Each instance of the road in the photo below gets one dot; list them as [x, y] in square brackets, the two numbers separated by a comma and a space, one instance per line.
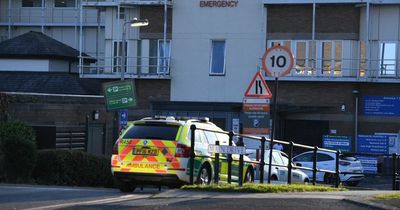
[48, 197]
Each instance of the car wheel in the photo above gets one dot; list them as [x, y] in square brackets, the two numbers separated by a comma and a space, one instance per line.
[329, 178]
[204, 176]
[126, 187]
[274, 178]
[249, 176]
[306, 181]
[353, 183]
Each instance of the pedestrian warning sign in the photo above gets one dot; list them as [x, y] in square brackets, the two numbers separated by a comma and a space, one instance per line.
[258, 88]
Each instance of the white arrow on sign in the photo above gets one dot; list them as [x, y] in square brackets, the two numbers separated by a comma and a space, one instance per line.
[277, 61]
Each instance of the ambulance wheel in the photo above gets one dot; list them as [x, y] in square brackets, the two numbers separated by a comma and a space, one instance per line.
[204, 176]
[127, 187]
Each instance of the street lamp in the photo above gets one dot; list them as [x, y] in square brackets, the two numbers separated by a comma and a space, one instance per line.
[133, 23]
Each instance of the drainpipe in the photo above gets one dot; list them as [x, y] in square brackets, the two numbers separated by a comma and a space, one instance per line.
[355, 93]
[368, 54]
[314, 47]
[9, 19]
[43, 7]
[165, 38]
[80, 41]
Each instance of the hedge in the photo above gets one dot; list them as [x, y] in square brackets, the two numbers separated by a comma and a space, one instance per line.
[10, 131]
[19, 159]
[73, 168]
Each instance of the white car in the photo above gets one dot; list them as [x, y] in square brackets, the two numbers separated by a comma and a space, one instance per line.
[280, 173]
[350, 167]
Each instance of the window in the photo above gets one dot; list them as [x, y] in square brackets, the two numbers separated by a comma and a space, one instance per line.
[337, 67]
[31, 3]
[217, 66]
[308, 157]
[387, 59]
[117, 52]
[163, 60]
[152, 131]
[331, 58]
[277, 159]
[121, 14]
[211, 137]
[326, 58]
[324, 157]
[64, 3]
[362, 59]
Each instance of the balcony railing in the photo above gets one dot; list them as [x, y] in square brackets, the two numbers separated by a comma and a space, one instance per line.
[125, 2]
[135, 67]
[345, 69]
[48, 16]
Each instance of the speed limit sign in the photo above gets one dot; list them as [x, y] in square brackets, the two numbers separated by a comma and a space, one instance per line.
[277, 61]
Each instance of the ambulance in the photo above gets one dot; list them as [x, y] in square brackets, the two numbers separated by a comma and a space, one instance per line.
[156, 151]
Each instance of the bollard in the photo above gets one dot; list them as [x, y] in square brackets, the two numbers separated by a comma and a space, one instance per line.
[230, 158]
[240, 144]
[271, 146]
[191, 160]
[216, 165]
[315, 165]
[337, 172]
[290, 167]
[394, 172]
[262, 163]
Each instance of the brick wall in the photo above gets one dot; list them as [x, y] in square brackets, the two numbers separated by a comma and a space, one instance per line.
[155, 29]
[295, 21]
[71, 111]
[321, 101]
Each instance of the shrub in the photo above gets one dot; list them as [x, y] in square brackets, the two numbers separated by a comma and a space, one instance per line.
[76, 168]
[19, 158]
[11, 130]
[20, 129]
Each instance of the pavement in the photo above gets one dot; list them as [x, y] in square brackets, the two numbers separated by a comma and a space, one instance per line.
[359, 197]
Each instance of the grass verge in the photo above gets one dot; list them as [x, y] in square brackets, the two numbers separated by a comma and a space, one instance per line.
[388, 196]
[261, 188]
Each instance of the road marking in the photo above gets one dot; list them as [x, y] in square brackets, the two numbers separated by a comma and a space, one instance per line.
[93, 202]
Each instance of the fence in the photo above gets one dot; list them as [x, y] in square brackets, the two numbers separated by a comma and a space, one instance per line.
[291, 145]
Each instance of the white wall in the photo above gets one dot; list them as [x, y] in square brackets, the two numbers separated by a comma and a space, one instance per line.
[193, 29]
[24, 65]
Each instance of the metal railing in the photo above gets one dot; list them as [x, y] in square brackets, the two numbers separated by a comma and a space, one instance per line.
[135, 66]
[291, 145]
[49, 16]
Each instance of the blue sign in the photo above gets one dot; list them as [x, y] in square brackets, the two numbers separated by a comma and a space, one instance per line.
[381, 105]
[341, 143]
[369, 164]
[123, 117]
[377, 144]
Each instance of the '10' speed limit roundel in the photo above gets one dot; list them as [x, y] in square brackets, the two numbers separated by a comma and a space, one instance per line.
[277, 61]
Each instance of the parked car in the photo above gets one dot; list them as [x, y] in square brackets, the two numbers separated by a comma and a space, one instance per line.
[280, 173]
[156, 150]
[350, 167]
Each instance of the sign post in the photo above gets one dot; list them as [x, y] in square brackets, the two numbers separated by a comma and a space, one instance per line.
[277, 62]
[256, 107]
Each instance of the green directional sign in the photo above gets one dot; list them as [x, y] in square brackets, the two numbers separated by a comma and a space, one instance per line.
[119, 95]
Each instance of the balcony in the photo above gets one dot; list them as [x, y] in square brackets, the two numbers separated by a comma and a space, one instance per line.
[344, 70]
[48, 17]
[106, 3]
[136, 67]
